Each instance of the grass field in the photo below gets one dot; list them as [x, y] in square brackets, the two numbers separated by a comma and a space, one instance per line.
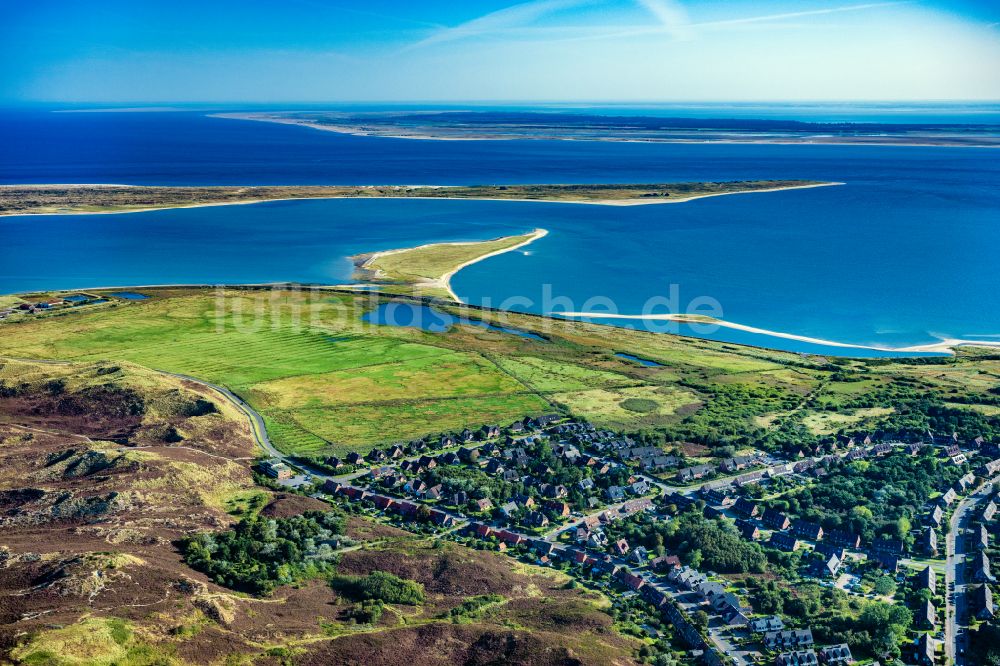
[327, 383]
[610, 407]
[430, 262]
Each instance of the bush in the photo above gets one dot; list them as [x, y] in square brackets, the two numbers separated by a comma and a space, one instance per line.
[381, 586]
[261, 553]
[366, 612]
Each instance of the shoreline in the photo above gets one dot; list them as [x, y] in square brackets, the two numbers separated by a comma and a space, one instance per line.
[652, 201]
[945, 346]
[444, 281]
[816, 140]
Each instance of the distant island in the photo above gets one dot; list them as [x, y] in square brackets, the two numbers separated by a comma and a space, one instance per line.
[83, 199]
[496, 125]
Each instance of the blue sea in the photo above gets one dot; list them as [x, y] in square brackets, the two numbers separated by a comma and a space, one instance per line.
[902, 254]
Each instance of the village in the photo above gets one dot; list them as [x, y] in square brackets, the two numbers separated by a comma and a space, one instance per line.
[561, 493]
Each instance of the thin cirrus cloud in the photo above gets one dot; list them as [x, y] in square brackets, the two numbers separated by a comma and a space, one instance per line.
[670, 15]
[671, 20]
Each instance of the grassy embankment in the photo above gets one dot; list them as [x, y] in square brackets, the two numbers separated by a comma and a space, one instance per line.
[62, 199]
[328, 384]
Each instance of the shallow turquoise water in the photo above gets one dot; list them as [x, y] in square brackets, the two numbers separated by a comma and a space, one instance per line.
[904, 253]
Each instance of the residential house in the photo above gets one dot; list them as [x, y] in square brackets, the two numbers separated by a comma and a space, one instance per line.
[764, 625]
[355, 458]
[640, 487]
[745, 508]
[509, 509]
[928, 542]
[828, 567]
[666, 563]
[788, 639]
[276, 469]
[934, 516]
[737, 463]
[807, 530]
[925, 649]
[927, 580]
[614, 493]
[783, 541]
[776, 520]
[982, 571]
[621, 547]
[560, 509]
[827, 549]
[748, 529]
[797, 658]
[597, 540]
[630, 580]
[485, 504]
[836, 655]
[639, 555]
[982, 603]
[887, 547]
[536, 519]
[928, 616]
[694, 473]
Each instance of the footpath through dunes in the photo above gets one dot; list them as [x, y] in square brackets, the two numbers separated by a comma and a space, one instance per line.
[83, 199]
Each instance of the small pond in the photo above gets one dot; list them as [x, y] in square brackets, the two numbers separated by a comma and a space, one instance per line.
[426, 318]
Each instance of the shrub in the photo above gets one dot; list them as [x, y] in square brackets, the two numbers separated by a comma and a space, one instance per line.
[381, 586]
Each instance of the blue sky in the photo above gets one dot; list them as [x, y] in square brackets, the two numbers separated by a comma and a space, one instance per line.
[543, 50]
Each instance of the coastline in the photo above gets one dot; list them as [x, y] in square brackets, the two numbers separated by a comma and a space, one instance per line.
[945, 346]
[652, 201]
[812, 140]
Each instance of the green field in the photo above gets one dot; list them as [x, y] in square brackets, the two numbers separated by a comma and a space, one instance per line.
[327, 383]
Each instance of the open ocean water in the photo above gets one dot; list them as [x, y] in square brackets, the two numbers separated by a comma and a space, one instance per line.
[904, 253]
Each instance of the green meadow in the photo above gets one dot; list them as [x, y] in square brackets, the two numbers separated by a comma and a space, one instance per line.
[327, 383]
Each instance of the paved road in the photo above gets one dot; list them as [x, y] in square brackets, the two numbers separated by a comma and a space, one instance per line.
[256, 420]
[955, 631]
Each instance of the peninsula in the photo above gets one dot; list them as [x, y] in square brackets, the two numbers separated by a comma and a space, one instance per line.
[455, 125]
[427, 270]
[84, 199]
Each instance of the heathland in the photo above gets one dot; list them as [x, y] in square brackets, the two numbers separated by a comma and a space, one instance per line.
[107, 467]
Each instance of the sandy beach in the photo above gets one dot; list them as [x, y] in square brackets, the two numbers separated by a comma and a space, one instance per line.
[946, 346]
[923, 140]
